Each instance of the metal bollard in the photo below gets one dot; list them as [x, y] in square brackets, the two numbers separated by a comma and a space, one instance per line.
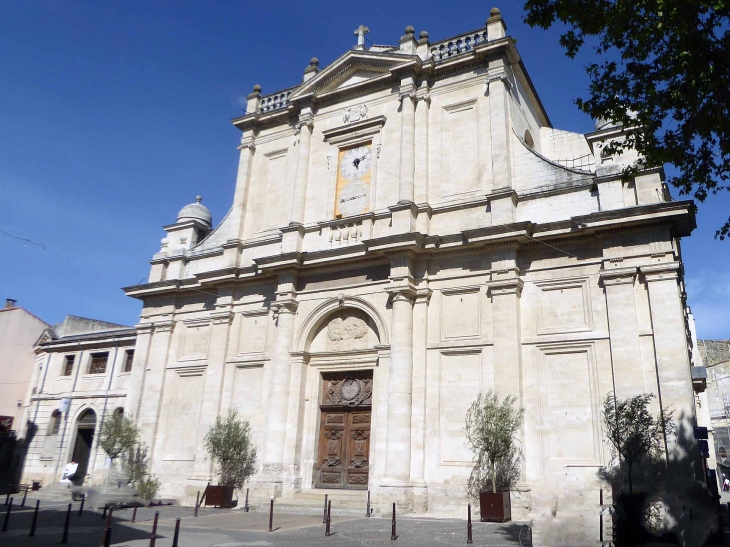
[64, 539]
[367, 510]
[107, 537]
[109, 518]
[106, 508]
[35, 519]
[393, 535]
[329, 518]
[468, 527]
[25, 495]
[324, 515]
[197, 499]
[177, 533]
[134, 513]
[7, 516]
[153, 536]
[271, 516]
[245, 507]
[7, 498]
[81, 507]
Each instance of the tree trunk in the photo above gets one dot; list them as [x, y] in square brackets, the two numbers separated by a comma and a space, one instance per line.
[631, 483]
[494, 478]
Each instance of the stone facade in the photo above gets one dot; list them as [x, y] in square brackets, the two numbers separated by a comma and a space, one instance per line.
[408, 215]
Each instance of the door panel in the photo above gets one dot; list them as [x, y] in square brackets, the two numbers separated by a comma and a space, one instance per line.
[344, 449]
[358, 449]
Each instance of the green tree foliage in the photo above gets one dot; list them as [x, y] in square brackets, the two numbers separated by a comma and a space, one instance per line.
[664, 66]
[229, 444]
[118, 435]
[137, 464]
[490, 428]
[633, 432]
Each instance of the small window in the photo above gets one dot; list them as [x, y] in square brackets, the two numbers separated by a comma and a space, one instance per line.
[98, 363]
[68, 365]
[529, 140]
[128, 359]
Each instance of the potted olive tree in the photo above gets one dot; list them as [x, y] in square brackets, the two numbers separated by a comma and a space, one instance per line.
[230, 445]
[491, 425]
[634, 434]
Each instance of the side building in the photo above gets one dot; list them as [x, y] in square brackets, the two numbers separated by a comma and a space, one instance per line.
[83, 372]
[716, 358]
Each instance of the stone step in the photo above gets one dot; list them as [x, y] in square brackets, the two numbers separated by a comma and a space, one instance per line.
[311, 507]
[354, 495]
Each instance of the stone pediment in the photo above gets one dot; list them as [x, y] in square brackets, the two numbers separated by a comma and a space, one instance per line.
[354, 68]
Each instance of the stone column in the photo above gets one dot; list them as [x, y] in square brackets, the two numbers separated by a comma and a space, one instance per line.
[295, 422]
[243, 183]
[149, 406]
[304, 127]
[398, 440]
[407, 99]
[420, 182]
[221, 320]
[139, 369]
[506, 291]
[628, 379]
[276, 417]
[498, 87]
[670, 341]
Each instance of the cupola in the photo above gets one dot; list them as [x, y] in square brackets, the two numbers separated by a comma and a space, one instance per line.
[196, 211]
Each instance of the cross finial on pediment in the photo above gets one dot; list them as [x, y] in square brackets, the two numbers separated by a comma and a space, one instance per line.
[360, 32]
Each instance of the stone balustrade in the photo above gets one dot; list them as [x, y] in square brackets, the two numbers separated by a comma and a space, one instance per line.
[445, 49]
[342, 235]
[582, 163]
[275, 101]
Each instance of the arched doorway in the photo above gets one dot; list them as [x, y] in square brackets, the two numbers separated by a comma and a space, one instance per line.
[85, 429]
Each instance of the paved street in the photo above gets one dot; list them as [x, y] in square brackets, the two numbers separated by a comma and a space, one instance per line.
[223, 528]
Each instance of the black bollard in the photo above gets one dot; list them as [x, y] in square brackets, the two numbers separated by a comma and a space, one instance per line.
[109, 518]
[25, 495]
[134, 513]
[177, 533]
[64, 539]
[197, 499]
[7, 516]
[107, 537]
[35, 519]
[271, 516]
[367, 510]
[245, 507]
[81, 507]
[153, 536]
[468, 527]
[393, 535]
[106, 508]
[324, 515]
[329, 519]
[7, 498]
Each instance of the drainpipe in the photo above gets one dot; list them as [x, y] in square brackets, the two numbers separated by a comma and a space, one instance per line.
[106, 402]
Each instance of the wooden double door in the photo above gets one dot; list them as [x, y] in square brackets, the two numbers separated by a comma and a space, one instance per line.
[343, 459]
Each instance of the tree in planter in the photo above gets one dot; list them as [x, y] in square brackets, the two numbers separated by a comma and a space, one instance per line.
[490, 428]
[147, 484]
[118, 435]
[229, 443]
[633, 432]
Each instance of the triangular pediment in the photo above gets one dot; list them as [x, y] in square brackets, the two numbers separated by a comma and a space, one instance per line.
[354, 68]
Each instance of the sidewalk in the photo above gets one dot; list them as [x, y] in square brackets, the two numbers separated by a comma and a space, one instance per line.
[225, 528]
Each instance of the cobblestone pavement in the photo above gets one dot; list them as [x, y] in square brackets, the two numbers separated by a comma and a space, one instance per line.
[222, 528]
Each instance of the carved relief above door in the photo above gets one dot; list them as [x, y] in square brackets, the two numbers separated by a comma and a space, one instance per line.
[344, 446]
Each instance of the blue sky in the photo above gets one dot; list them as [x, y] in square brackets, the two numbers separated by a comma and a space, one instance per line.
[116, 114]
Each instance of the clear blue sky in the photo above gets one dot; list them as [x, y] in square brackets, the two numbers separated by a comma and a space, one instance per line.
[114, 115]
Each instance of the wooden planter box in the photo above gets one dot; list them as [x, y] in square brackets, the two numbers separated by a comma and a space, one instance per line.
[219, 496]
[495, 507]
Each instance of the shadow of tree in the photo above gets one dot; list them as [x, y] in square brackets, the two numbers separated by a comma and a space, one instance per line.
[679, 508]
[11, 468]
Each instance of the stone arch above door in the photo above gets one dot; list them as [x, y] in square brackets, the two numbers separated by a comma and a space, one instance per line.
[342, 324]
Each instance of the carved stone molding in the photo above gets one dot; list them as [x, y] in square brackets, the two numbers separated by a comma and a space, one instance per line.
[506, 286]
[618, 276]
[164, 326]
[660, 271]
[352, 391]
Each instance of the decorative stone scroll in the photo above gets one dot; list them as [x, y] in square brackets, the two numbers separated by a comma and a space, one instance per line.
[347, 330]
[350, 391]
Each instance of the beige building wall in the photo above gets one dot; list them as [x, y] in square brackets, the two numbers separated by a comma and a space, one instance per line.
[19, 332]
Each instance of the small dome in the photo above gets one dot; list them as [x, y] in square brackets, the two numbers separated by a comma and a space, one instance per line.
[196, 211]
[605, 124]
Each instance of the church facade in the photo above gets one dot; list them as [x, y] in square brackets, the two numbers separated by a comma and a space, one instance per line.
[409, 230]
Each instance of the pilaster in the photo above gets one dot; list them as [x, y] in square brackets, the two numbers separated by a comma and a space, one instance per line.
[619, 284]
[498, 90]
[418, 412]
[670, 339]
[420, 182]
[407, 98]
[305, 126]
[139, 369]
[247, 150]
[221, 320]
[505, 289]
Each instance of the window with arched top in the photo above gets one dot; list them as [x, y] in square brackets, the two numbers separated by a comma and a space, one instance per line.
[54, 426]
[529, 141]
[119, 411]
[87, 418]
[52, 439]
